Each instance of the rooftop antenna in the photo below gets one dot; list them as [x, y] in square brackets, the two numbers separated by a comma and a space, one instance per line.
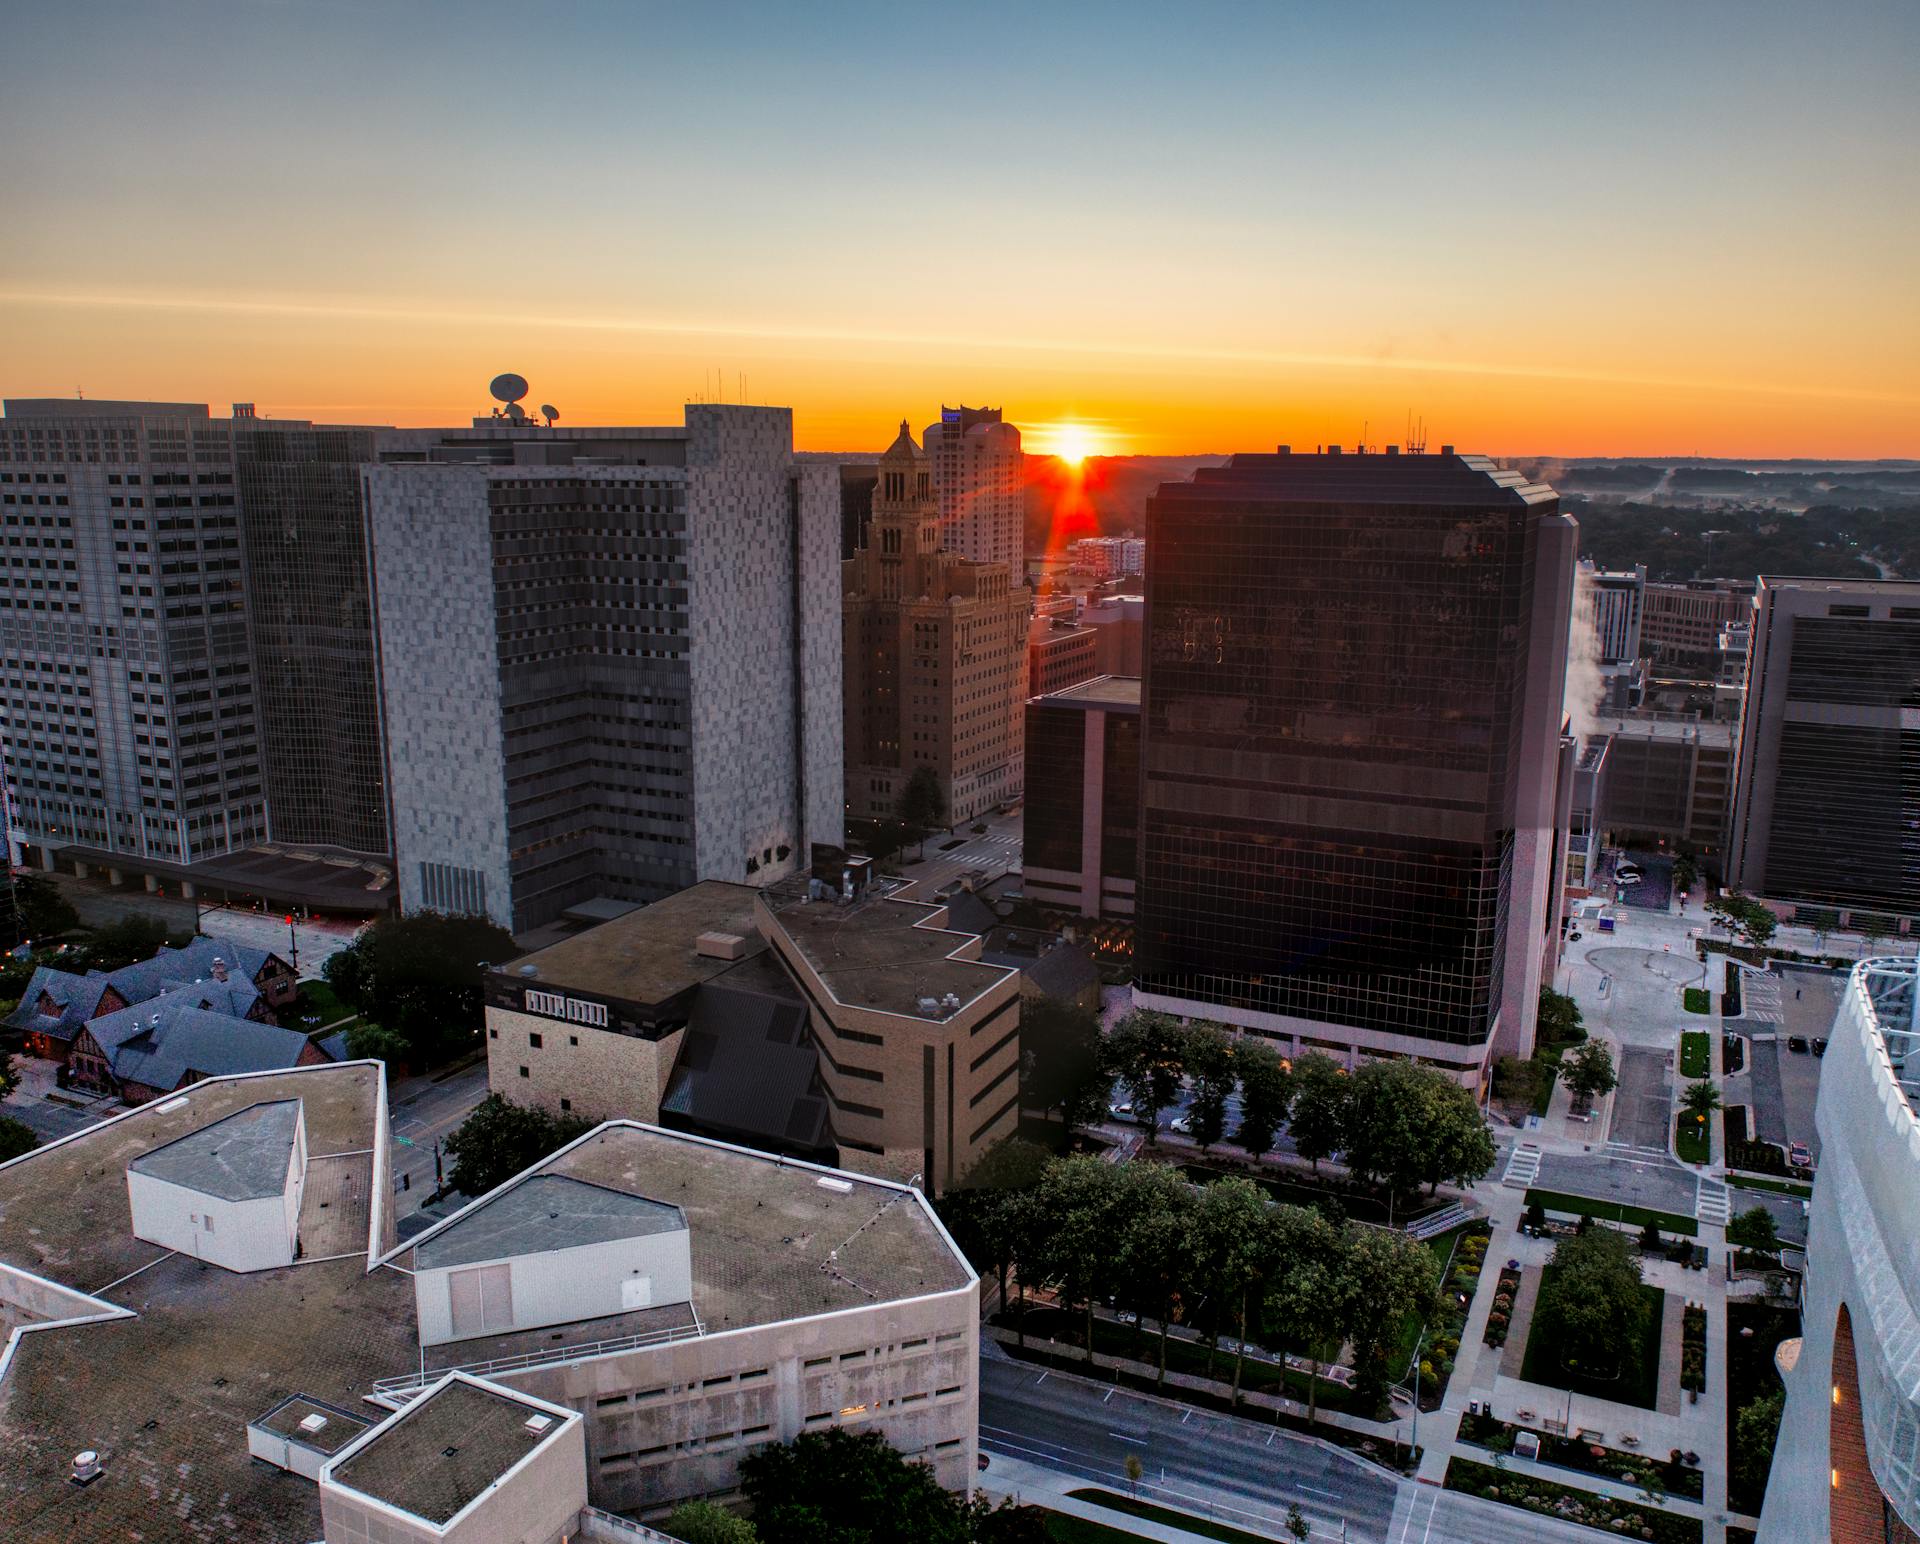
[1365, 424]
[508, 388]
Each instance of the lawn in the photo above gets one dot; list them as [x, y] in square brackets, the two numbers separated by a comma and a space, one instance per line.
[1534, 1494]
[320, 1002]
[1691, 1139]
[1542, 1363]
[1613, 1211]
[1062, 1529]
[1696, 1054]
[1785, 1187]
[1696, 999]
[1133, 1506]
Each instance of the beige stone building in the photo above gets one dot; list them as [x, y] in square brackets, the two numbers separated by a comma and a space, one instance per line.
[817, 1018]
[935, 656]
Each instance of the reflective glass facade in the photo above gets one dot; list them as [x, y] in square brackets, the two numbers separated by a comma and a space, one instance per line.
[313, 650]
[1335, 684]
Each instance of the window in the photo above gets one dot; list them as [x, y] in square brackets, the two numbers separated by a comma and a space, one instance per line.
[566, 1104]
[534, 1041]
[523, 1072]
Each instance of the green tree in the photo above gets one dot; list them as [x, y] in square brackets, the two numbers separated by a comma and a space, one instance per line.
[420, 975]
[1587, 1070]
[1208, 1057]
[1755, 1429]
[1758, 924]
[1517, 1078]
[1560, 1020]
[32, 910]
[1754, 1229]
[1307, 1287]
[1144, 1052]
[1700, 1098]
[987, 1211]
[1872, 927]
[843, 1487]
[367, 1040]
[701, 1522]
[1297, 1525]
[1266, 1094]
[1156, 1254]
[1233, 1250]
[1388, 1276]
[1591, 1303]
[124, 941]
[1079, 1214]
[1322, 1094]
[922, 807]
[499, 1139]
[1409, 1125]
[1134, 1470]
[16, 1137]
[1062, 1062]
[9, 1074]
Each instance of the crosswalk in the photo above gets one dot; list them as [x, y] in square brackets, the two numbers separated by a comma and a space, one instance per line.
[1714, 1204]
[1523, 1168]
[1760, 999]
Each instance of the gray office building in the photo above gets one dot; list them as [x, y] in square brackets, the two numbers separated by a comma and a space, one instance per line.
[126, 685]
[609, 659]
[1826, 797]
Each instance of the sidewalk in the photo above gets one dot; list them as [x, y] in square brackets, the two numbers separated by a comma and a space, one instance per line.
[1020, 1481]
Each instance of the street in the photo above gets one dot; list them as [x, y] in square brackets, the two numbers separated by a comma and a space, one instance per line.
[423, 1112]
[313, 941]
[993, 853]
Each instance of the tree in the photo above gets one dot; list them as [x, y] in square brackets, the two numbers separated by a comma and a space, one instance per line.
[1588, 1072]
[1307, 1286]
[1266, 1093]
[1233, 1250]
[9, 1074]
[842, 1487]
[367, 1040]
[420, 975]
[922, 807]
[1156, 1254]
[1388, 1276]
[1321, 1095]
[32, 910]
[1872, 927]
[1591, 1302]
[1700, 1099]
[1686, 873]
[1144, 1052]
[1409, 1125]
[1061, 1060]
[1134, 1470]
[701, 1522]
[1208, 1058]
[1758, 924]
[1754, 1431]
[1560, 1020]
[1517, 1078]
[1754, 1230]
[124, 941]
[1297, 1525]
[499, 1139]
[16, 1137]
[1080, 1214]
[987, 1211]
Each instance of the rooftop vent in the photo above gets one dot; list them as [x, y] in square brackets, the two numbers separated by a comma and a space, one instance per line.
[838, 1186]
[538, 1423]
[928, 1006]
[312, 1423]
[171, 1105]
[529, 971]
[86, 1467]
[720, 946]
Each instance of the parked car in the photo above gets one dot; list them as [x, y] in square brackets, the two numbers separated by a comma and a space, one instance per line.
[1120, 1111]
[1182, 1125]
[1820, 1046]
[1800, 1155]
[1626, 880]
[1797, 1043]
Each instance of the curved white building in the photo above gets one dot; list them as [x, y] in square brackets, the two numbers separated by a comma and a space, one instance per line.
[1846, 1467]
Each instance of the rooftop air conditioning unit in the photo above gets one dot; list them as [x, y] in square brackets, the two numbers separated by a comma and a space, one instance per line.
[536, 1424]
[929, 1005]
[86, 1467]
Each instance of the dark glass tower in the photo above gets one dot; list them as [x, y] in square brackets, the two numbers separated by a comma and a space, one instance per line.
[313, 653]
[1352, 708]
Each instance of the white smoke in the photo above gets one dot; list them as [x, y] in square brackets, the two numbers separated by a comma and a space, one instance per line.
[1586, 686]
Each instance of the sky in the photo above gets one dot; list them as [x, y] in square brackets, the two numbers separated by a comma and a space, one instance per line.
[1167, 228]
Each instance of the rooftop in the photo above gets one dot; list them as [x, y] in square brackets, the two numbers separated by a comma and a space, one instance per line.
[441, 1452]
[768, 1241]
[883, 953]
[1688, 730]
[647, 956]
[241, 1158]
[545, 1212]
[1444, 480]
[295, 1419]
[1107, 691]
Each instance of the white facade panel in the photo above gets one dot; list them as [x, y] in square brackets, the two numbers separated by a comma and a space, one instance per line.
[557, 1286]
[238, 1235]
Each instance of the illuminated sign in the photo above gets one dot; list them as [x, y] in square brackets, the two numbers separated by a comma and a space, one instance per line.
[555, 1005]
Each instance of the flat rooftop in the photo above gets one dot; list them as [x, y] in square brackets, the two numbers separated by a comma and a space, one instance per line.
[548, 1211]
[762, 1230]
[879, 952]
[646, 956]
[241, 1158]
[1703, 731]
[166, 1396]
[1101, 692]
[292, 1418]
[437, 1455]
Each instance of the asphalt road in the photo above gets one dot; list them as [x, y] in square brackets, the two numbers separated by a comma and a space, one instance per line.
[994, 852]
[422, 1110]
[1643, 1103]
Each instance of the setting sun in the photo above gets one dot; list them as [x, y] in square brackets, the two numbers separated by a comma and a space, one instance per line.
[1072, 443]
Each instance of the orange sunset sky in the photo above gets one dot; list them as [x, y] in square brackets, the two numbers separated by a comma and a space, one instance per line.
[1586, 230]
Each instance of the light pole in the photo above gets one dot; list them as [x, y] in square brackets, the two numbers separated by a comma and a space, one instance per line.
[1418, 1346]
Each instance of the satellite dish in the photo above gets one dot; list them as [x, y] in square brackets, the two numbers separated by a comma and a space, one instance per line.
[516, 412]
[508, 387]
[549, 412]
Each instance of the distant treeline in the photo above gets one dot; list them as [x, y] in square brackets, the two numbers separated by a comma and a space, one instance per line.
[1829, 540]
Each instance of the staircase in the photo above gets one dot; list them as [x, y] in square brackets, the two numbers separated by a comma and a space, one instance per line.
[1523, 1168]
[1436, 1223]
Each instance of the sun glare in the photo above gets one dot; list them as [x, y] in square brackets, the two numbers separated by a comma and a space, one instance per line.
[1072, 443]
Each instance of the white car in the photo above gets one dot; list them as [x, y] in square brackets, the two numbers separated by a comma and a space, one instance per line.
[1182, 1124]
[1626, 879]
[1120, 1111]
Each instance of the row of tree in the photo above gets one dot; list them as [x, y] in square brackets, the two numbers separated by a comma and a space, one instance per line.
[1144, 1237]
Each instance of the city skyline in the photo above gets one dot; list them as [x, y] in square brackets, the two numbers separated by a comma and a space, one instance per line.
[1638, 232]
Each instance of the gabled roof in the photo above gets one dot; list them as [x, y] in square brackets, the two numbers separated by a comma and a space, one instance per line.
[192, 1040]
[78, 997]
[177, 967]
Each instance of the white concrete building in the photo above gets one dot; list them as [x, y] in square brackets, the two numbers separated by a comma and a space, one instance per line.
[1108, 557]
[228, 1193]
[1846, 1466]
[980, 479]
[1609, 606]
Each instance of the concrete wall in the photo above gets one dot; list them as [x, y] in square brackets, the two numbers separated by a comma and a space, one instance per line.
[601, 1075]
[670, 1422]
[560, 1286]
[1863, 1259]
[255, 1235]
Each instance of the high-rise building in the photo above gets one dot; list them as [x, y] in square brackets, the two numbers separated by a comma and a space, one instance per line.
[125, 674]
[1680, 623]
[1108, 557]
[609, 659]
[1083, 797]
[1667, 777]
[1352, 751]
[1826, 808]
[980, 479]
[1609, 605]
[935, 656]
[312, 614]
